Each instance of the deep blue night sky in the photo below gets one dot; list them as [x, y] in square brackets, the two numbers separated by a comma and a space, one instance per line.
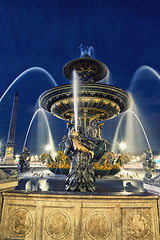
[47, 34]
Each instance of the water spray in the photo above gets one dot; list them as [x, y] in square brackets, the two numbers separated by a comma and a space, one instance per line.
[25, 72]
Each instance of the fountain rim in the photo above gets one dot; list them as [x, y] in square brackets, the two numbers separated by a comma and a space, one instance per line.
[101, 85]
[51, 93]
[71, 65]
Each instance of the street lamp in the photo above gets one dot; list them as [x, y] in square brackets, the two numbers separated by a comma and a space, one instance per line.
[48, 147]
[122, 146]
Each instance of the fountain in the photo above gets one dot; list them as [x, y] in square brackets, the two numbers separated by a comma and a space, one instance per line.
[84, 152]
[43, 210]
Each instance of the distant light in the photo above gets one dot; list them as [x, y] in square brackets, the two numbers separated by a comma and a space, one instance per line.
[122, 145]
[138, 158]
[48, 147]
[17, 158]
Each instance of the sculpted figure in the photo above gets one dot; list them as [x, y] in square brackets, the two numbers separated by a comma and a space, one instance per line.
[93, 133]
[81, 176]
[149, 164]
[62, 145]
[78, 144]
[24, 159]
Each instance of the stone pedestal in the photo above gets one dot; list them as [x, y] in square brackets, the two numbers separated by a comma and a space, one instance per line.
[75, 217]
[5, 186]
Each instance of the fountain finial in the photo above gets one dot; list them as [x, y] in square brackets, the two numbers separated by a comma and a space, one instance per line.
[86, 52]
[90, 70]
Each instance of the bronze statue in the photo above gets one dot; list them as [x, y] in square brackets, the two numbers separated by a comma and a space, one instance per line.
[149, 165]
[81, 176]
[24, 160]
[93, 133]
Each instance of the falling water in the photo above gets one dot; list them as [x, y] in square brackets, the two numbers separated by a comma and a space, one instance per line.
[49, 131]
[141, 70]
[107, 79]
[118, 127]
[144, 72]
[25, 72]
[142, 128]
[75, 97]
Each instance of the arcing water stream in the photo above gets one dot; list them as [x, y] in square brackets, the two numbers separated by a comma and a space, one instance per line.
[25, 72]
[115, 140]
[49, 131]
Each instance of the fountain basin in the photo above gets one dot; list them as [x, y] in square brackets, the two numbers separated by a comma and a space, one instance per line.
[52, 216]
[94, 100]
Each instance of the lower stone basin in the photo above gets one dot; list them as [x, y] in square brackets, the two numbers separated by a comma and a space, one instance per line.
[46, 216]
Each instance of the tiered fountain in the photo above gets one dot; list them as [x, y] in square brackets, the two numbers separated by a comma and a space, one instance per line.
[83, 153]
[58, 214]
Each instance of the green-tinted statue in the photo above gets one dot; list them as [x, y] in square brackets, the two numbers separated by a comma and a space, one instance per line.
[62, 145]
[93, 133]
[24, 160]
[149, 165]
[81, 176]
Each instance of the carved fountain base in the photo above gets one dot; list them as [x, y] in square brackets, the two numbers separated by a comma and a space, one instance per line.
[78, 216]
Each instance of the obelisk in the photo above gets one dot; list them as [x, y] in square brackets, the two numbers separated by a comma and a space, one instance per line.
[8, 159]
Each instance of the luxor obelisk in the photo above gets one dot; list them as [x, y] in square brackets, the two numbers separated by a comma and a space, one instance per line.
[9, 159]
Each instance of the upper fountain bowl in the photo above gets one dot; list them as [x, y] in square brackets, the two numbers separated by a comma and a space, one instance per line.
[95, 100]
[89, 69]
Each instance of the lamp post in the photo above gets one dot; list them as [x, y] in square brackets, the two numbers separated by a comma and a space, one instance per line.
[48, 147]
[122, 146]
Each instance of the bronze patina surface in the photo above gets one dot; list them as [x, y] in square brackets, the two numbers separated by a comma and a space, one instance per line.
[89, 153]
[86, 67]
[94, 100]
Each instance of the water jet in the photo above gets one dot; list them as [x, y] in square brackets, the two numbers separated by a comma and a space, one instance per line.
[50, 139]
